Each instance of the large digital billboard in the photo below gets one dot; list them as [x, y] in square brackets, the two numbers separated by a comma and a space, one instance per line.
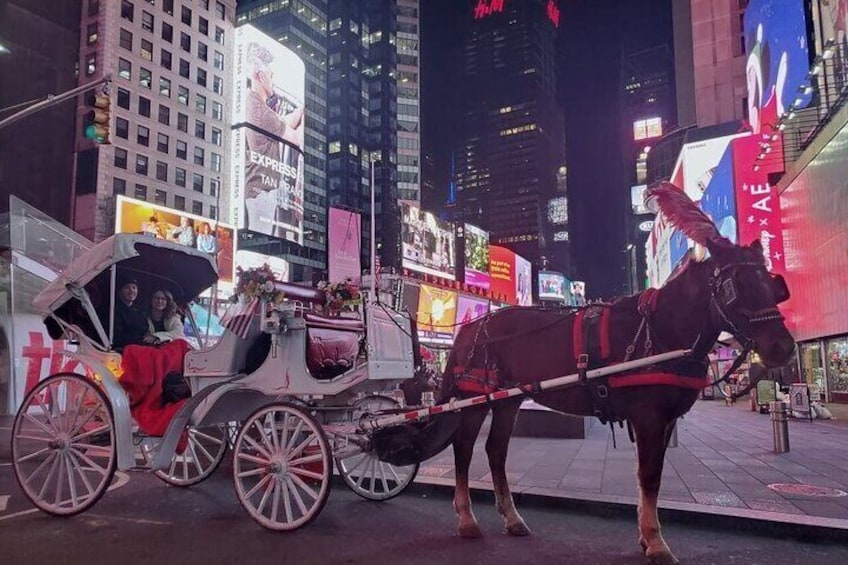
[523, 282]
[267, 137]
[204, 234]
[429, 244]
[251, 260]
[777, 60]
[512, 276]
[477, 257]
[436, 314]
[698, 161]
[831, 22]
[344, 229]
[552, 286]
[578, 293]
[469, 309]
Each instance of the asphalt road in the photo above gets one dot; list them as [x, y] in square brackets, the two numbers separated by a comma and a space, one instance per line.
[145, 521]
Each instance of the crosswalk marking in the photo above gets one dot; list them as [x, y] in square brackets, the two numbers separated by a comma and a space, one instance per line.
[4, 500]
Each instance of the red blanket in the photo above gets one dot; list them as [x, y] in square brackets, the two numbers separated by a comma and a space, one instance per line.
[144, 370]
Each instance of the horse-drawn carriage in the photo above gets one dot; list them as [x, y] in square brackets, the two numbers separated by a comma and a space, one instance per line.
[289, 382]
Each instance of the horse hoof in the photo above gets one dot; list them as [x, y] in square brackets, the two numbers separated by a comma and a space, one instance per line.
[519, 529]
[664, 558]
[470, 531]
[644, 545]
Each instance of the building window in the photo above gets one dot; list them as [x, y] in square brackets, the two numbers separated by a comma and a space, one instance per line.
[219, 35]
[162, 171]
[215, 162]
[160, 197]
[165, 59]
[220, 10]
[199, 129]
[91, 64]
[214, 186]
[218, 85]
[122, 128]
[120, 158]
[201, 77]
[180, 177]
[167, 32]
[145, 77]
[182, 95]
[179, 202]
[219, 60]
[334, 147]
[185, 42]
[186, 16]
[124, 99]
[199, 156]
[147, 21]
[141, 192]
[217, 110]
[142, 136]
[185, 68]
[119, 186]
[162, 142]
[144, 106]
[91, 33]
[202, 51]
[146, 50]
[127, 10]
[216, 136]
[204, 4]
[182, 122]
[197, 207]
[165, 87]
[200, 104]
[197, 182]
[93, 7]
[124, 69]
[141, 164]
[203, 25]
[164, 115]
[182, 151]
[168, 6]
[213, 212]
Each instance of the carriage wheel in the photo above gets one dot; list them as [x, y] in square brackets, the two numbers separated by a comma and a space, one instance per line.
[63, 444]
[203, 454]
[364, 473]
[281, 467]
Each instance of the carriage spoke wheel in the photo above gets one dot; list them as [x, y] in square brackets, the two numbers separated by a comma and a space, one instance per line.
[203, 454]
[281, 467]
[63, 444]
[364, 473]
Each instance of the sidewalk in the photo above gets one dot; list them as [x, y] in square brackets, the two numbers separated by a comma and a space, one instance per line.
[722, 465]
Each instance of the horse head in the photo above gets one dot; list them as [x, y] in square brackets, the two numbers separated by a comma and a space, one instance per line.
[744, 300]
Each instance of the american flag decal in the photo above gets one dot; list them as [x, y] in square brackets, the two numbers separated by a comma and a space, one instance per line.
[239, 316]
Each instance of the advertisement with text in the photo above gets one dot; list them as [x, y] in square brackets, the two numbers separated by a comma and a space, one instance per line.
[477, 257]
[429, 244]
[344, 229]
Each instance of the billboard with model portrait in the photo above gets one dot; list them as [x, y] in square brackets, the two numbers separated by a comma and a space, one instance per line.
[512, 276]
[268, 136]
[523, 281]
[552, 286]
[429, 244]
[469, 309]
[777, 60]
[344, 242]
[477, 257]
[251, 260]
[209, 236]
[436, 314]
[578, 293]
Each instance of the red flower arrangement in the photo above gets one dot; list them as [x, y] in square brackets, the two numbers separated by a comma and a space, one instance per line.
[258, 282]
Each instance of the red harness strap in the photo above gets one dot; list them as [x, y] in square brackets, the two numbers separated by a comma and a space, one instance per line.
[648, 301]
[577, 344]
[649, 379]
[577, 334]
[476, 381]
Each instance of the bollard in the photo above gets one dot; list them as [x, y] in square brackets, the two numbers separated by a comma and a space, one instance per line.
[428, 398]
[781, 426]
[672, 438]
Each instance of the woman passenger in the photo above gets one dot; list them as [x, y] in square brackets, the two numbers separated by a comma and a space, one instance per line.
[164, 322]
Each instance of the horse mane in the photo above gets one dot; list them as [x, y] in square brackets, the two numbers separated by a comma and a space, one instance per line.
[681, 212]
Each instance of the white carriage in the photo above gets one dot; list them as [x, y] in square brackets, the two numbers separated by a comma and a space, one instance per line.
[286, 416]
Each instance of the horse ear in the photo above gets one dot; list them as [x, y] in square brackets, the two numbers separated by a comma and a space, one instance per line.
[717, 247]
[756, 245]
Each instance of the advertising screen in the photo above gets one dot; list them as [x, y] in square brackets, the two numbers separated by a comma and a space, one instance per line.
[502, 271]
[436, 314]
[429, 244]
[137, 216]
[344, 229]
[267, 138]
[777, 60]
[469, 309]
[523, 282]
[552, 286]
[250, 260]
[647, 128]
[832, 23]
[477, 257]
[578, 293]
[699, 160]
[637, 199]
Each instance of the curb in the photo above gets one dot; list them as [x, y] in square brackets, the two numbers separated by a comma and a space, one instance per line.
[770, 524]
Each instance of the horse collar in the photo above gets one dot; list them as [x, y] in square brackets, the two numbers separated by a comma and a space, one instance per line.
[648, 302]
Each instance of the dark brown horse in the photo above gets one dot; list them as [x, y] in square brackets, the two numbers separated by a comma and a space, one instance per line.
[731, 291]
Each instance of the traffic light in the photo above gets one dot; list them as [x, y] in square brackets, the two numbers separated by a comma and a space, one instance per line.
[96, 124]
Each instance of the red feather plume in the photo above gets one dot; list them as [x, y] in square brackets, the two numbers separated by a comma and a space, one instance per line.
[682, 213]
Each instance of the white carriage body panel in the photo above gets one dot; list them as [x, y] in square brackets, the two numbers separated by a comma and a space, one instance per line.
[390, 350]
[226, 358]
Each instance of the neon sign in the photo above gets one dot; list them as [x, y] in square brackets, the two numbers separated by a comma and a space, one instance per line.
[484, 8]
[553, 13]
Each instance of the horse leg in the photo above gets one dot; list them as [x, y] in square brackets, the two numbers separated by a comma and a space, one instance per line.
[463, 448]
[651, 434]
[497, 446]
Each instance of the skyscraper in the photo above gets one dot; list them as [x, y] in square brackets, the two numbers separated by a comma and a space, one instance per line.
[511, 138]
[170, 63]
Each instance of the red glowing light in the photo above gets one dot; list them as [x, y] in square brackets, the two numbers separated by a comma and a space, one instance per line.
[553, 13]
[487, 8]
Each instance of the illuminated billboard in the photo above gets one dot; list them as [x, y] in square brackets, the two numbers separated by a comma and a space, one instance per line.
[267, 137]
[429, 244]
[204, 234]
[698, 161]
[578, 293]
[777, 60]
[637, 199]
[552, 286]
[251, 260]
[523, 282]
[648, 128]
[469, 309]
[436, 314]
[558, 211]
[512, 276]
[344, 241]
[477, 257]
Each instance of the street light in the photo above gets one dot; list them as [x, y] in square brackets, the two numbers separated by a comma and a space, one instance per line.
[372, 158]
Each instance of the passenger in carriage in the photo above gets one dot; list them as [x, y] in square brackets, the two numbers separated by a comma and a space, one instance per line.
[164, 322]
[130, 321]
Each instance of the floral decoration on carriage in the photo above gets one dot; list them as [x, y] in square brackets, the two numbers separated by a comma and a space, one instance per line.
[340, 297]
[257, 283]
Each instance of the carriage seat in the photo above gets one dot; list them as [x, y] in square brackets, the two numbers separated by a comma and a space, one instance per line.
[332, 344]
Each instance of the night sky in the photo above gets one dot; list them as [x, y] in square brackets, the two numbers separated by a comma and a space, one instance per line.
[592, 37]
